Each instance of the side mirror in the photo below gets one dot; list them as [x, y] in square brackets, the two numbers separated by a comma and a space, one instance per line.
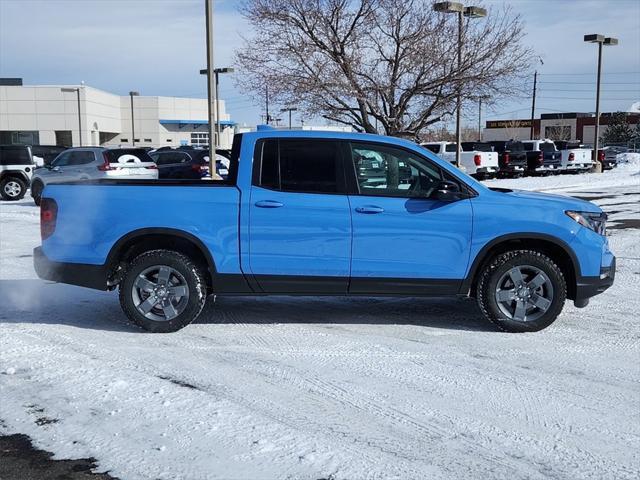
[448, 192]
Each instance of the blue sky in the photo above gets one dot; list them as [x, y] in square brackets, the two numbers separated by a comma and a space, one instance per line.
[157, 48]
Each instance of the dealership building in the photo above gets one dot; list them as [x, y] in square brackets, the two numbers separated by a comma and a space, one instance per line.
[74, 115]
[555, 126]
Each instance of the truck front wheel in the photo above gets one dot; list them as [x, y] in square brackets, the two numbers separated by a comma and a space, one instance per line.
[163, 291]
[521, 291]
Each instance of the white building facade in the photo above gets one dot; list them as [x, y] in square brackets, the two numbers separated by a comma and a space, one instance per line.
[48, 115]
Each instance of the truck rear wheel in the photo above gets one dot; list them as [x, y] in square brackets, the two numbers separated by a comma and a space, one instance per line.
[12, 188]
[521, 291]
[163, 291]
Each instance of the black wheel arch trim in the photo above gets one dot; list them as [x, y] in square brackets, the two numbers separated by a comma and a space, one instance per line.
[116, 249]
[222, 283]
[483, 254]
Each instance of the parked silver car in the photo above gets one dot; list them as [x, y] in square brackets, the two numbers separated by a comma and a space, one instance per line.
[94, 163]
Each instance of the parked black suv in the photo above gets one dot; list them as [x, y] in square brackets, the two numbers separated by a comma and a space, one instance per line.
[16, 168]
[512, 158]
[185, 162]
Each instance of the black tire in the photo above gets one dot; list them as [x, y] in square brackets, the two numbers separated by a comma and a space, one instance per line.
[12, 188]
[187, 273]
[494, 271]
[36, 192]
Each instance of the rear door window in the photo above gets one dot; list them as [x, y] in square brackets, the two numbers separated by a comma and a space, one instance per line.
[80, 158]
[301, 165]
[450, 147]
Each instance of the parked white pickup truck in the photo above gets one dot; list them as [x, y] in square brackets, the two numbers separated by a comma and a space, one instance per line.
[480, 163]
[575, 156]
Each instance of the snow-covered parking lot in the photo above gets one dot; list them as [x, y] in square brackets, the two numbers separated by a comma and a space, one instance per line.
[308, 388]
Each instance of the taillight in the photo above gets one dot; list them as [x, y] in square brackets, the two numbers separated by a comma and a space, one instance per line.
[540, 158]
[48, 217]
[506, 158]
[152, 167]
[600, 155]
[106, 166]
[477, 159]
[572, 156]
[196, 167]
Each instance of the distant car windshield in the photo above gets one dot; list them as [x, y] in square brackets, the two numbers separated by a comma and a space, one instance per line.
[138, 153]
[478, 147]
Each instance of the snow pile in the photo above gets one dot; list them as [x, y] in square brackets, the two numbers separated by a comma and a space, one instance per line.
[629, 159]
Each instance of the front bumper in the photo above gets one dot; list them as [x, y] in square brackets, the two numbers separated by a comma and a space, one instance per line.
[80, 274]
[587, 287]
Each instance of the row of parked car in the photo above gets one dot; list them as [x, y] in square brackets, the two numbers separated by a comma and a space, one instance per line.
[23, 166]
[515, 158]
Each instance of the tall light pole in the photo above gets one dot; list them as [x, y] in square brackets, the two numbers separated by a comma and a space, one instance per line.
[77, 91]
[211, 96]
[469, 12]
[217, 72]
[533, 102]
[289, 109]
[600, 40]
[133, 128]
[480, 99]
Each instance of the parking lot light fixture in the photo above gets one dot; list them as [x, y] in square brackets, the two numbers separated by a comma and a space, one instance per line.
[289, 109]
[133, 130]
[469, 12]
[600, 40]
[77, 92]
[216, 73]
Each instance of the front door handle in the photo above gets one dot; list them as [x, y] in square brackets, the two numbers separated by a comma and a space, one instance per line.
[369, 209]
[269, 204]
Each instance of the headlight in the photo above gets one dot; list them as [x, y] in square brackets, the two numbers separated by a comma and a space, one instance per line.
[591, 220]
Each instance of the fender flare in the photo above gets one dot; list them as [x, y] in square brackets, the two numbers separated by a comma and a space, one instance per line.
[483, 254]
[116, 249]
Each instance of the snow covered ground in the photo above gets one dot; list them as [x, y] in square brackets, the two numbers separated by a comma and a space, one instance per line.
[335, 388]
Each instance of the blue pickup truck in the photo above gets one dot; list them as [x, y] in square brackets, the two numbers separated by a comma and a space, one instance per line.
[299, 215]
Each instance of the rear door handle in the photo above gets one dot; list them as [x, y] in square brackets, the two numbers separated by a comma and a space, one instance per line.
[269, 204]
[369, 209]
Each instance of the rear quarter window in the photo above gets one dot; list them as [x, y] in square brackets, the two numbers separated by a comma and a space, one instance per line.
[15, 155]
[138, 153]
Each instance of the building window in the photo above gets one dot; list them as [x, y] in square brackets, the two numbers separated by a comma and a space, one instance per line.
[124, 140]
[168, 140]
[136, 139]
[199, 139]
[148, 140]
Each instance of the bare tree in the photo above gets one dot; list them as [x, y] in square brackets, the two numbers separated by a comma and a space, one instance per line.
[377, 65]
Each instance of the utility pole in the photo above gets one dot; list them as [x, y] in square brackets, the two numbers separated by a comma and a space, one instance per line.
[459, 96]
[480, 119]
[211, 88]
[266, 97]
[533, 105]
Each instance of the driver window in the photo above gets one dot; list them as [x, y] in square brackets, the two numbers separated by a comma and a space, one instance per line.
[393, 172]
